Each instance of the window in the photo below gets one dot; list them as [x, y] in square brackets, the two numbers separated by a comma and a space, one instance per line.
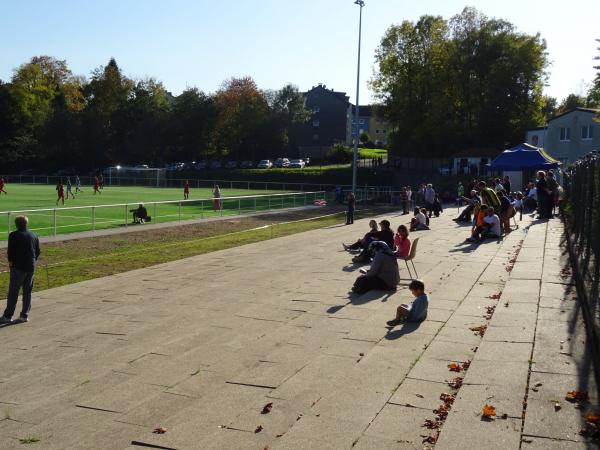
[361, 121]
[587, 132]
[316, 123]
[384, 131]
[377, 131]
[565, 134]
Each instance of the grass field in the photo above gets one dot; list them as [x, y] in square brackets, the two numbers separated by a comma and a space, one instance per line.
[96, 211]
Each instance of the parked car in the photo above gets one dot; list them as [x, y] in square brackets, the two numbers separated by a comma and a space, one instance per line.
[297, 164]
[231, 164]
[201, 165]
[246, 165]
[215, 165]
[281, 163]
[264, 164]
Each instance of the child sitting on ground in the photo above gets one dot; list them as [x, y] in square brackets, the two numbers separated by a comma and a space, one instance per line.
[415, 312]
[420, 221]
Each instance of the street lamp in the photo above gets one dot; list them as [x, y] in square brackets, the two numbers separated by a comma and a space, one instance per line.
[361, 4]
[110, 174]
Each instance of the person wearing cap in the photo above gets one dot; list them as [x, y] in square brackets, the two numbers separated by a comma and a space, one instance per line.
[140, 215]
[385, 234]
[23, 252]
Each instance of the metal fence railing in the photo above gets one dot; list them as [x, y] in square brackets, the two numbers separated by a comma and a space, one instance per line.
[54, 221]
[151, 181]
[582, 215]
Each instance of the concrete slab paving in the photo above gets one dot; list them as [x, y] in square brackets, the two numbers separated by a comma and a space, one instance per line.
[218, 336]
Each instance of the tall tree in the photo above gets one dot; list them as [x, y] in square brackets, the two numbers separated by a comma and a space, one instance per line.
[242, 112]
[192, 122]
[571, 101]
[593, 98]
[449, 85]
[106, 94]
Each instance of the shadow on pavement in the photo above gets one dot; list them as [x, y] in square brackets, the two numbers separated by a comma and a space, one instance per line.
[407, 328]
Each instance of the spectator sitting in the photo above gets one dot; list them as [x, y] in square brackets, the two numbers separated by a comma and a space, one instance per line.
[478, 222]
[530, 201]
[419, 222]
[465, 215]
[140, 215]
[415, 312]
[401, 242]
[385, 234]
[383, 274]
[366, 240]
[491, 228]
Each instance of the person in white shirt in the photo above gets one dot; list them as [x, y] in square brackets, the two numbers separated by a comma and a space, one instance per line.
[493, 222]
[498, 185]
[419, 222]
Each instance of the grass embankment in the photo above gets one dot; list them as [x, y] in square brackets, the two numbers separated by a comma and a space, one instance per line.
[69, 262]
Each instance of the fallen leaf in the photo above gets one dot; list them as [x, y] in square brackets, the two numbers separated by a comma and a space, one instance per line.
[267, 408]
[455, 383]
[258, 429]
[454, 367]
[419, 395]
[488, 411]
[574, 396]
[592, 418]
[160, 430]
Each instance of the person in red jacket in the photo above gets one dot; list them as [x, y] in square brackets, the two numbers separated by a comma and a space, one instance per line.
[60, 191]
[96, 186]
[402, 242]
[2, 186]
[186, 190]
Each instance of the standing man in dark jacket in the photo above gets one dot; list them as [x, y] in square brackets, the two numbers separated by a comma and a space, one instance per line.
[23, 252]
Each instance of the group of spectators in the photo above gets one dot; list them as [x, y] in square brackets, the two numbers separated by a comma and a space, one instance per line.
[490, 208]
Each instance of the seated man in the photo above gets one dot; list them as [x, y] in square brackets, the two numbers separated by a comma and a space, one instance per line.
[140, 215]
[491, 228]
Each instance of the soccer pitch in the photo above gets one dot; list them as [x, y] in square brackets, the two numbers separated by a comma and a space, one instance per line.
[98, 211]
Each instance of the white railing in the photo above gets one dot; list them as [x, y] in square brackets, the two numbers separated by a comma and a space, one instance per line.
[49, 221]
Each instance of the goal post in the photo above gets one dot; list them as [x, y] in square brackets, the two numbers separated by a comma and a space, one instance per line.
[148, 176]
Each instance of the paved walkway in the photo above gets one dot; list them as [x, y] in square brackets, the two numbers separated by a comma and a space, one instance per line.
[200, 346]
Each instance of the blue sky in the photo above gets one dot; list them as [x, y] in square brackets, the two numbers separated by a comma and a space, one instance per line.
[201, 43]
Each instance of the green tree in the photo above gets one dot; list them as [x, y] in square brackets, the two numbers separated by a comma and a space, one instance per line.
[107, 93]
[572, 101]
[192, 123]
[449, 85]
[593, 98]
[242, 115]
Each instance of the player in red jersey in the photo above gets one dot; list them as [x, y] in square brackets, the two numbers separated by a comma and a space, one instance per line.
[96, 186]
[186, 190]
[2, 186]
[60, 191]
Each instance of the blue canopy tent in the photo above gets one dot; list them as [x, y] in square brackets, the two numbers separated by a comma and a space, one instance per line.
[523, 157]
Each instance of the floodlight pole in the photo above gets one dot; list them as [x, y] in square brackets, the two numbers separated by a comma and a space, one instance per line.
[361, 4]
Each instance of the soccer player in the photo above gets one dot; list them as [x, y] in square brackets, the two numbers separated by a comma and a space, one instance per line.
[2, 186]
[77, 184]
[96, 186]
[186, 190]
[101, 181]
[70, 188]
[60, 190]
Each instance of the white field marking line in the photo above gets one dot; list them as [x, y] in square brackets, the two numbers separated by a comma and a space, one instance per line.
[166, 202]
[174, 244]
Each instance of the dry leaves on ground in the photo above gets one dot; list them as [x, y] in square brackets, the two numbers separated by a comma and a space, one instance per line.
[258, 429]
[592, 418]
[496, 296]
[488, 411]
[267, 408]
[576, 396]
[455, 383]
[480, 330]
[160, 430]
